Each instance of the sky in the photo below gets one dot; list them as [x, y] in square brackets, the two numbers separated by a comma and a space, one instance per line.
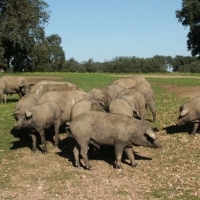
[105, 29]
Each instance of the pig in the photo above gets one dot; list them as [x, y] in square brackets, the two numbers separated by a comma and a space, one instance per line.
[38, 118]
[13, 85]
[65, 99]
[190, 112]
[104, 95]
[129, 102]
[149, 96]
[131, 81]
[118, 130]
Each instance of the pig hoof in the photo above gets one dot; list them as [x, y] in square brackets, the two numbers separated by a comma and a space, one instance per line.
[33, 151]
[118, 167]
[134, 165]
[55, 145]
[89, 168]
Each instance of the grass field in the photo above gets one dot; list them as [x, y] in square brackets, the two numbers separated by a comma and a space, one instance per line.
[172, 172]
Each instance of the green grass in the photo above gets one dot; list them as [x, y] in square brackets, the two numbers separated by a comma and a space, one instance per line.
[179, 157]
[184, 82]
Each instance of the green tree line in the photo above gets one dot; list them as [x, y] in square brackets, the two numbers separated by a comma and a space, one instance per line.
[25, 47]
[156, 64]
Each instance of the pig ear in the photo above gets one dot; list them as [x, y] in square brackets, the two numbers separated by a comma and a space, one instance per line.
[28, 114]
[16, 113]
[184, 112]
[150, 133]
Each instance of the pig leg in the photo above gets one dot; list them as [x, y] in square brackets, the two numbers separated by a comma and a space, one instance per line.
[84, 151]
[196, 125]
[153, 110]
[33, 137]
[5, 98]
[42, 135]
[76, 156]
[95, 144]
[118, 154]
[130, 155]
[56, 128]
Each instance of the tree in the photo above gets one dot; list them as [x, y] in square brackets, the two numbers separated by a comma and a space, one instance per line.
[56, 53]
[40, 56]
[22, 24]
[89, 66]
[48, 55]
[189, 16]
[72, 65]
[182, 63]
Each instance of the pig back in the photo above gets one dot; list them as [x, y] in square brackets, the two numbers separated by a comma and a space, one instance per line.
[132, 81]
[65, 99]
[47, 85]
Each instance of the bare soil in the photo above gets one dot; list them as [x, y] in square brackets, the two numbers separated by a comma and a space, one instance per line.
[53, 176]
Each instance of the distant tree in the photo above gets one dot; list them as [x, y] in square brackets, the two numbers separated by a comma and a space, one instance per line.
[40, 56]
[136, 64]
[72, 65]
[194, 67]
[48, 55]
[98, 66]
[2, 60]
[189, 16]
[89, 65]
[56, 53]
[22, 25]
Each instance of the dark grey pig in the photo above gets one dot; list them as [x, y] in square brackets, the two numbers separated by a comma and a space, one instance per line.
[118, 130]
[13, 85]
[190, 112]
[38, 118]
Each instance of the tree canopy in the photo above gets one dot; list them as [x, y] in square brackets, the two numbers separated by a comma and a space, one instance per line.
[189, 16]
[22, 24]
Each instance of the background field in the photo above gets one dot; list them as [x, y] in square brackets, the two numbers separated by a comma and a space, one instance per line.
[172, 172]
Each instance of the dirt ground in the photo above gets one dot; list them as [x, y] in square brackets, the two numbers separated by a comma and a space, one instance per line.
[53, 176]
[190, 92]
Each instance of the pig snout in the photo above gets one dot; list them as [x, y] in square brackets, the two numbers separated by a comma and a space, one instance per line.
[158, 144]
[179, 122]
[17, 126]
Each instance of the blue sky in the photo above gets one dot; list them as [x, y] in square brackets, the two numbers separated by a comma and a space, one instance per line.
[104, 29]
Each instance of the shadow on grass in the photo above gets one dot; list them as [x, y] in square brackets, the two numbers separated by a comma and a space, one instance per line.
[12, 100]
[105, 153]
[26, 141]
[179, 129]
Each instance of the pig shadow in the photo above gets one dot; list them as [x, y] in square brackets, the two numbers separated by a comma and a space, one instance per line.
[66, 146]
[105, 153]
[188, 127]
[24, 139]
[12, 100]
